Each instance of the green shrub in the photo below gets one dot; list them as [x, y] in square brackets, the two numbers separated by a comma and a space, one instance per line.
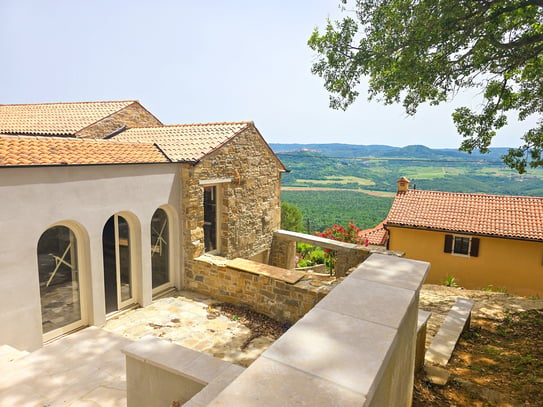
[450, 281]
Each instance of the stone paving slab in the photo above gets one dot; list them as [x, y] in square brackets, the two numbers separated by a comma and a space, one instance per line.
[184, 318]
[440, 350]
[278, 273]
[64, 372]
[87, 368]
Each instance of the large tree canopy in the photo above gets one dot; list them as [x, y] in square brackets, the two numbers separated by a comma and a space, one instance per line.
[427, 50]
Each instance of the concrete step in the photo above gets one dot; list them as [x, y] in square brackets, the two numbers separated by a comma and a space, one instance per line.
[85, 366]
[457, 320]
[9, 354]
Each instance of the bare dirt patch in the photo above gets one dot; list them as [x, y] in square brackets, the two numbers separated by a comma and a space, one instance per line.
[498, 361]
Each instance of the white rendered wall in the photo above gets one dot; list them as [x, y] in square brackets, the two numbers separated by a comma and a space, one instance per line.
[83, 198]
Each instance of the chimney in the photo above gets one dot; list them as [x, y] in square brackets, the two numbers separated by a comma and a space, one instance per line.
[403, 184]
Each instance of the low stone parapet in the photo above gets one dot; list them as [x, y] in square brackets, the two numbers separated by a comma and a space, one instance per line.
[356, 347]
[349, 255]
[162, 374]
[285, 296]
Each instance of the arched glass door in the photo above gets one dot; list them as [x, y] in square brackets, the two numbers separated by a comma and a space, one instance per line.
[160, 248]
[117, 264]
[60, 291]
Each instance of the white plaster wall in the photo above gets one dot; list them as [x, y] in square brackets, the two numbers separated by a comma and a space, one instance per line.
[34, 199]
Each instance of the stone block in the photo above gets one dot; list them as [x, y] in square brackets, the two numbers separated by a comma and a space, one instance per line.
[371, 301]
[393, 271]
[339, 338]
[437, 375]
[272, 384]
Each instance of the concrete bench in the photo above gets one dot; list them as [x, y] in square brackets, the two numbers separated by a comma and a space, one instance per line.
[162, 373]
[456, 322]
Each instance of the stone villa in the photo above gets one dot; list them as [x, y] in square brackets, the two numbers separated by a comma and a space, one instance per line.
[103, 207]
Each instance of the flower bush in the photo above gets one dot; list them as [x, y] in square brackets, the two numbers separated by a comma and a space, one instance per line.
[350, 234]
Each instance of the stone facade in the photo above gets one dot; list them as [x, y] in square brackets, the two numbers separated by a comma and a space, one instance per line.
[134, 115]
[279, 300]
[248, 178]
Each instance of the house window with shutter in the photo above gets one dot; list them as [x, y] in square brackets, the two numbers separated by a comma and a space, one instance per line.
[462, 245]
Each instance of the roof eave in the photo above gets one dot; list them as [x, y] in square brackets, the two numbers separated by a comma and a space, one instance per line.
[464, 232]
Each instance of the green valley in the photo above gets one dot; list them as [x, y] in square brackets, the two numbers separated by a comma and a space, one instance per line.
[341, 182]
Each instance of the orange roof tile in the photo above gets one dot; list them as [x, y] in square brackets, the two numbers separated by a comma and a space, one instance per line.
[517, 217]
[186, 142]
[36, 151]
[376, 236]
[55, 118]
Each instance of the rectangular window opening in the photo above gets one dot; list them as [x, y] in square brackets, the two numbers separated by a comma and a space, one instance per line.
[210, 218]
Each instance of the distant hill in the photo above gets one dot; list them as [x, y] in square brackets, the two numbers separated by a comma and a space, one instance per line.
[334, 183]
[337, 150]
[376, 168]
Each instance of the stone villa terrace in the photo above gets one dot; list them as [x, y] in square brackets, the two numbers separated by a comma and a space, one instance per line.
[87, 368]
[355, 347]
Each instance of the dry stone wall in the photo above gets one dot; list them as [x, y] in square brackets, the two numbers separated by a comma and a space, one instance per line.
[134, 115]
[250, 205]
[279, 300]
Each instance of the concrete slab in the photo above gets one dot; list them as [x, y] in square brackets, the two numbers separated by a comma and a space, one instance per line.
[272, 384]
[370, 301]
[423, 318]
[440, 350]
[437, 375]
[393, 271]
[322, 336]
[65, 371]
[218, 384]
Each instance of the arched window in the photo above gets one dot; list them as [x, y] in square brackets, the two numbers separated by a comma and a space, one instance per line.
[160, 248]
[59, 279]
[118, 284]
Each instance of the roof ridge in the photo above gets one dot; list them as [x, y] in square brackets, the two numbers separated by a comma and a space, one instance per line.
[472, 194]
[373, 229]
[70, 103]
[205, 124]
[72, 139]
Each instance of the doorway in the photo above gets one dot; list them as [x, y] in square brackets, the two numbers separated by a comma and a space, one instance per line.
[118, 281]
[59, 279]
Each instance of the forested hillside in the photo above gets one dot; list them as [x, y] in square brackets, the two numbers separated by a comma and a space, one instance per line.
[352, 169]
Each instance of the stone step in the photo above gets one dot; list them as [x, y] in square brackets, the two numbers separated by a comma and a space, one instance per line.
[457, 320]
[9, 354]
[87, 365]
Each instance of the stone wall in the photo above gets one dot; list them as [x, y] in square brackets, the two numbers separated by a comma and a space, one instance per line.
[356, 347]
[284, 251]
[248, 177]
[134, 115]
[280, 300]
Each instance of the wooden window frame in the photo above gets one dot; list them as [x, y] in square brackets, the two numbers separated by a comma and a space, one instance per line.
[473, 245]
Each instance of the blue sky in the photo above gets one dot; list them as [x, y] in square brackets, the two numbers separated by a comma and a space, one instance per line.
[201, 61]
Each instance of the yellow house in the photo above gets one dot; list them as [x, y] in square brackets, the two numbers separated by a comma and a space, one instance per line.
[481, 240]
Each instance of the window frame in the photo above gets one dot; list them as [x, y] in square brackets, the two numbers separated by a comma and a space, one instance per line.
[170, 253]
[217, 191]
[451, 243]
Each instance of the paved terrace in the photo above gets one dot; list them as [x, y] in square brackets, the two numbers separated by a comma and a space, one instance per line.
[87, 369]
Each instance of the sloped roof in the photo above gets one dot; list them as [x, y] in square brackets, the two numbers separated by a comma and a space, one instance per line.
[376, 236]
[517, 217]
[186, 142]
[55, 118]
[36, 151]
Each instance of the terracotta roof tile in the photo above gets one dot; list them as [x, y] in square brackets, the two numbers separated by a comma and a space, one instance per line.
[376, 236]
[35, 150]
[186, 142]
[517, 217]
[55, 118]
